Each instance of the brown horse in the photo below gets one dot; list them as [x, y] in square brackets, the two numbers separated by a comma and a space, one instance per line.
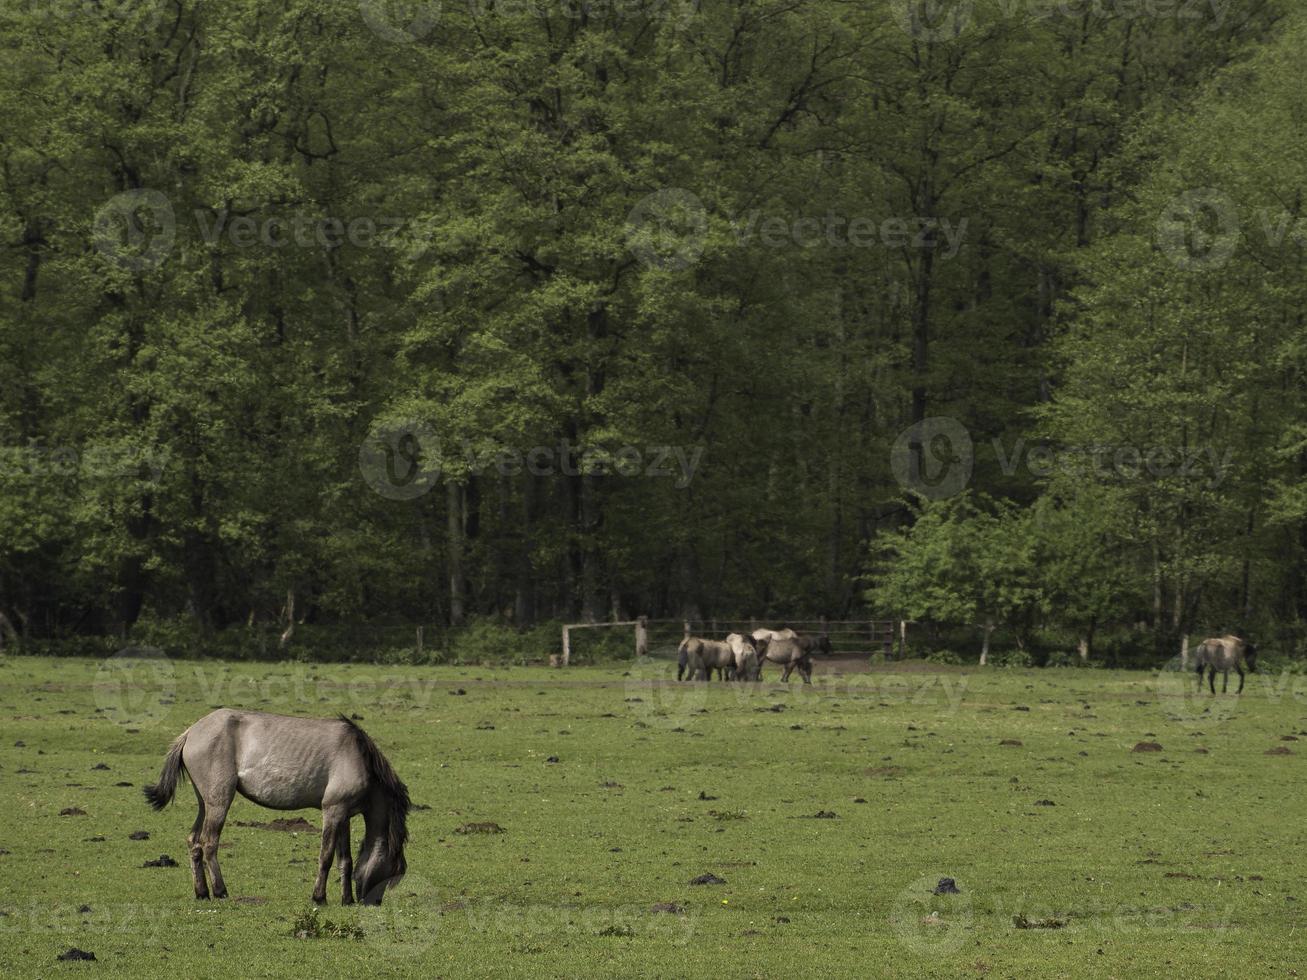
[288, 763]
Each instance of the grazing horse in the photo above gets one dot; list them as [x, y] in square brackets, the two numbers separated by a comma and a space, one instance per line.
[790, 650]
[701, 657]
[748, 664]
[288, 763]
[1221, 653]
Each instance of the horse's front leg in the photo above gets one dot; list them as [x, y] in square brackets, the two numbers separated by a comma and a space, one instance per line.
[1211, 679]
[1225, 680]
[785, 674]
[330, 828]
[1240, 670]
[345, 861]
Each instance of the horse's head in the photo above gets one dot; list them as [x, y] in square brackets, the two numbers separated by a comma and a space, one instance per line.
[1250, 656]
[823, 644]
[378, 868]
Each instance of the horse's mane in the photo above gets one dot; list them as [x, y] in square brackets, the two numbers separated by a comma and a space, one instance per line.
[390, 786]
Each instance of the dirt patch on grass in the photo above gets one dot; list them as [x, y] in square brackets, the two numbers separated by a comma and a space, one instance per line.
[480, 827]
[292, 825]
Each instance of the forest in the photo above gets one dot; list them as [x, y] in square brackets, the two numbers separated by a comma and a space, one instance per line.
[985, 315]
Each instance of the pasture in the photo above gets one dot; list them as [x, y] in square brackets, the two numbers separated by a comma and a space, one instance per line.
[563, 815]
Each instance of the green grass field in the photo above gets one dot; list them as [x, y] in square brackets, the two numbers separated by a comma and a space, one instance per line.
[1188, 861]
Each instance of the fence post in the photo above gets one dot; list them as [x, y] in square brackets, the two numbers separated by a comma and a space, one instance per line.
[419, 642]
[642, 637]
[686, 623]
[1184, 652]
[567, 647]
[903, 638]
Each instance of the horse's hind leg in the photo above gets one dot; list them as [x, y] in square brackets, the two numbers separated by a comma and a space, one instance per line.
[1239, 668]
[345, 862]
[1225, 680]
[1211, 678]
[215, 816]
[197, 851]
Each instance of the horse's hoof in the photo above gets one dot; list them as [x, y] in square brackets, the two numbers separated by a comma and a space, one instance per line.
[319, 899]
[202, 898]
[347, 900]
[221, 894]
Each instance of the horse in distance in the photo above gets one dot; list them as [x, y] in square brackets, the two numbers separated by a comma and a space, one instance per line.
[1224, 653]
[287, 763]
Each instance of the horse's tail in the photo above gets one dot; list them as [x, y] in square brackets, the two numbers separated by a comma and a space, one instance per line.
[385, 779]
[161, 793]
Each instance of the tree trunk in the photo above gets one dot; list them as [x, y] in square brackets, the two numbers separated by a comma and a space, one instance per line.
[984, 649]
[290, 619]
[454, 558]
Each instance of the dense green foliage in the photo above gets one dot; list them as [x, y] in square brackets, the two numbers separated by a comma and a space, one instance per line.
[333, 312]
[1132, 862]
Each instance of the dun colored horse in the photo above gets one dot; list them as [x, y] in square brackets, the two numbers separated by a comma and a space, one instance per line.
[288, 763]
[698, 658]
[791, 650]
[1223, 653]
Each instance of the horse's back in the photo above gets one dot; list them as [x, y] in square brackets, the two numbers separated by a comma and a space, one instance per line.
[279, 761]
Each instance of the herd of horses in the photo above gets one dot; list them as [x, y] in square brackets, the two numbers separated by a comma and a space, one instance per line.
[741, 655]
[287, 763]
